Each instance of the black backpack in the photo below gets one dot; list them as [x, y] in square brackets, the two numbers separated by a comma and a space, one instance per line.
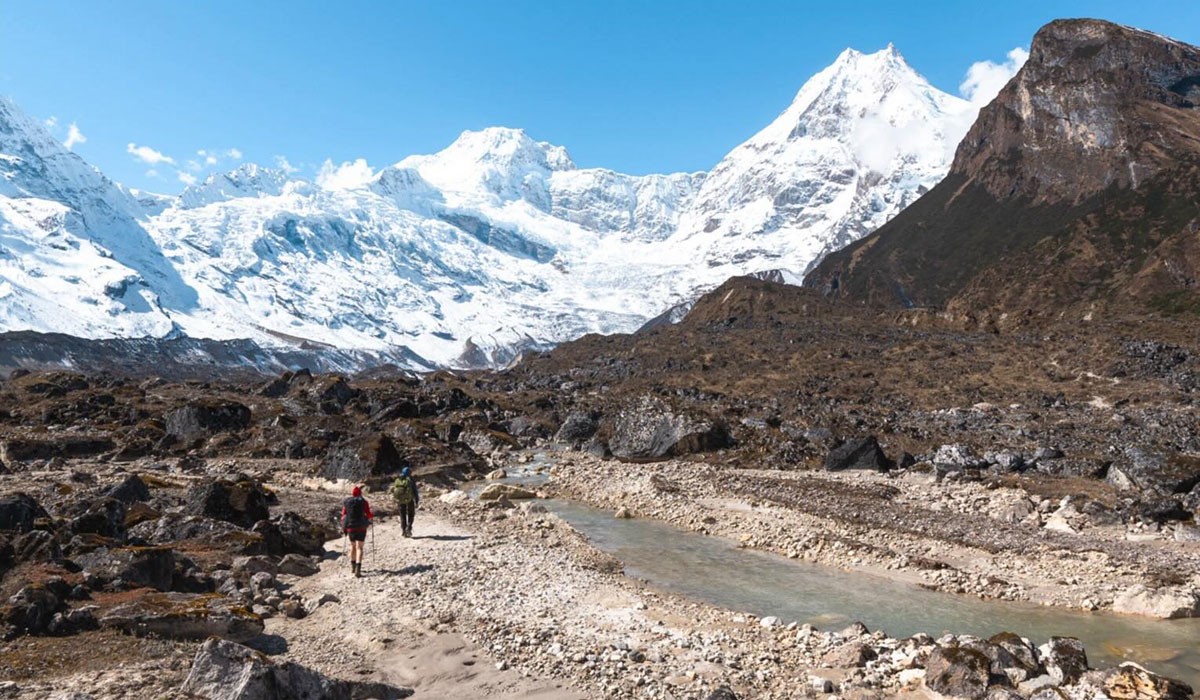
[355, 512]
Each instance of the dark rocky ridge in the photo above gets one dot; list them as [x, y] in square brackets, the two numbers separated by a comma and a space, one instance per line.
[1076, 188]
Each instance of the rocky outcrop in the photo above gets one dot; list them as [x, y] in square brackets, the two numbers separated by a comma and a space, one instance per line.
[495, 492]
[242, 502]
[152, 567]
[957, 672]
[1130, 681]
[578, 427]
[223, 670]
[861, 453]
[19, 512]
[201, 419]
[1078, 164]
[648, 429]
[359, 459]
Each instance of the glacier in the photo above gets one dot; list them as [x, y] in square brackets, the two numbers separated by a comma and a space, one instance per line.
[467, 257]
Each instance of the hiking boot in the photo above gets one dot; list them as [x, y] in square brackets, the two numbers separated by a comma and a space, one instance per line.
[358, 570]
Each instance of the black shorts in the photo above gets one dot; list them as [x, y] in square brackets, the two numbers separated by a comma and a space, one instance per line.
[357, 536]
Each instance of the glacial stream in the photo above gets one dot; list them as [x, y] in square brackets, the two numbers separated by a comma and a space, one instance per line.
[715, 571]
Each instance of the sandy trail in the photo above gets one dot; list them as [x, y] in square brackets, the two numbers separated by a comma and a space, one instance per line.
[397, 623]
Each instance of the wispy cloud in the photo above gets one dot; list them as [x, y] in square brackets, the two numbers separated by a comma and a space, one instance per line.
[186, 178]
[282, 163]
[51, 122]
[152, 173]
[148, 155]
[74, 137]
[985, 79]
[234, 153]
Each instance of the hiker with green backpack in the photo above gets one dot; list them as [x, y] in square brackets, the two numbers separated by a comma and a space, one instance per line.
[404, 492]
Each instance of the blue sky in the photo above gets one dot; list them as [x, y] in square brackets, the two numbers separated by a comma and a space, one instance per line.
[636, 86]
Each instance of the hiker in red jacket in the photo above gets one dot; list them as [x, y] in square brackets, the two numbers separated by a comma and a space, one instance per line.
[356, 519]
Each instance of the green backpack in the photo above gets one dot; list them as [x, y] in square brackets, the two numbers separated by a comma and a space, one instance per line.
[402, 490]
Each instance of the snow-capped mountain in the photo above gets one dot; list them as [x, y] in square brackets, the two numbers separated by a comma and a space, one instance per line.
[496, 243]
[863, 139]
[75, 254]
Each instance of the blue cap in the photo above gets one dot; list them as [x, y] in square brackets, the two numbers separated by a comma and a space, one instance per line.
[405, 471]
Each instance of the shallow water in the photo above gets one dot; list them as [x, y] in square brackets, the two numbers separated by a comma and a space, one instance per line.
[715, 571]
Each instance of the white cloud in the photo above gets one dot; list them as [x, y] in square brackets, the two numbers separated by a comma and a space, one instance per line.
[194, 166]
[152, 173]
[148, 155]
[201, 152]
[210, 160]
[51, 122]
[985, 78]
[186, 178]
[74, 136]
[234, 153]
[282, 163]
[345, 176]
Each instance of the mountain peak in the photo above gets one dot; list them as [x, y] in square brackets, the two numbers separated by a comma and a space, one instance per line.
[246, 180]
[496, 161]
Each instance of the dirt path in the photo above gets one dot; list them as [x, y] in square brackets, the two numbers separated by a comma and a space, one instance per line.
[397, 624]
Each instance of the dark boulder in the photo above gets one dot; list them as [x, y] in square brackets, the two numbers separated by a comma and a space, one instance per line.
[859, 453]
[31, 609]
[650, 430]
[227, 670]
[957, 672]
[176, 527]
[204, 418]
[19, 512]
[131, 489]
[36, 545]
[62, 446]
[359, 459]
[1163, 475]
[1064, 658]
[301, 535]
[1161, 510]
[105, 517]
[242, 502]
[149, 567]
[578, 427]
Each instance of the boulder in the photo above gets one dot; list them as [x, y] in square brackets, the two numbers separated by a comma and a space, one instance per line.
[1022, 651]
[301, 535]
[485, 442]
[850, 655]
[358, 459]
[150, 567]
[496, 475]
[1166, 604]
[858, 453]
[495, 492]
[578, 427]
[1064, 658]
[243, 502]
[31, 609]
[1163, 475]
[19, 511]
[176, 527]
[183, 616]
[957, 672]
[105, 517]
[297, 565]
[203, 418]
[131, 490]
[1130, 681]
[650, 430]
[957, 457]
[223, 670]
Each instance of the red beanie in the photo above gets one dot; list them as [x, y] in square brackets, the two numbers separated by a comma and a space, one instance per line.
[357, 491]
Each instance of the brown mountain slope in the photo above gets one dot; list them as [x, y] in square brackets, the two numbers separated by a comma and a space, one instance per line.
[1078, 185]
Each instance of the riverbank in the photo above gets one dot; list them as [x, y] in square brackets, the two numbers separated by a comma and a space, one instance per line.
[1005, 540]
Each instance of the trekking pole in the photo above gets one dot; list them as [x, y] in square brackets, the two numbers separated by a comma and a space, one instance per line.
[373, 543]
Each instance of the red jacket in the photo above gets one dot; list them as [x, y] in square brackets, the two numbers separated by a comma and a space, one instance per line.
[359, 528]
